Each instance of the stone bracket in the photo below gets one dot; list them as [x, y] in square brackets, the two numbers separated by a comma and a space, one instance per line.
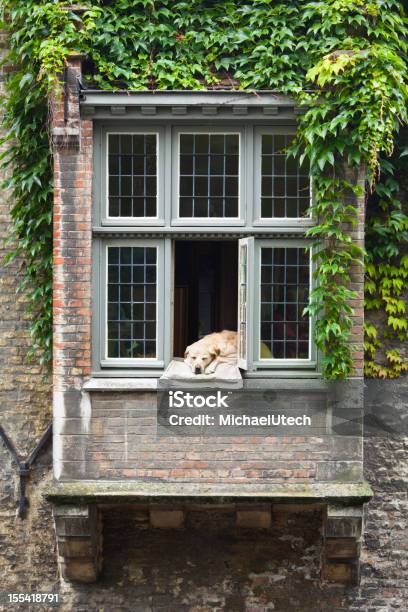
[66, 138]
[254, 517]
[79, 541]
[342, 531]
[172, 518]
[79, 536]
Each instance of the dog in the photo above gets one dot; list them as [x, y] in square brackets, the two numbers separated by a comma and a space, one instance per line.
[203, 356]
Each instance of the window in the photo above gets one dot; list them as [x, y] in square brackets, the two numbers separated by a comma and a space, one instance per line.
[245, 290]
[133, 286]
[129, 183]
[282, 186]
[132, 302]
[285, 187]
[230, 252]
[284, 294]
[132, 175]
[209, 175]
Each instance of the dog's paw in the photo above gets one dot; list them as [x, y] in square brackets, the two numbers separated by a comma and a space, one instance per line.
[211, 368]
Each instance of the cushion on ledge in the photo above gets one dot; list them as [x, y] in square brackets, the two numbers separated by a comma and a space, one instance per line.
[226, 375]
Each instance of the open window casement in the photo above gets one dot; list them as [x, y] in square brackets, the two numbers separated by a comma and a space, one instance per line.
[245, 301]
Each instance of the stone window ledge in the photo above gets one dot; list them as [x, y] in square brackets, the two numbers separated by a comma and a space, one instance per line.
[117, 384]
[120, 384]
[171, 492]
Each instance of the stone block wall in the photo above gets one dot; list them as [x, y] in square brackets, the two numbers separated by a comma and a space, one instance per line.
[210, 564]
[22, 388]
[116, 438]
[26, 554]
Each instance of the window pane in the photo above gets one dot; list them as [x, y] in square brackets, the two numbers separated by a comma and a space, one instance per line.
[132, 307]
[132, 175]
[285, 276]
[285, 186]
[216, 207]
[209, 175]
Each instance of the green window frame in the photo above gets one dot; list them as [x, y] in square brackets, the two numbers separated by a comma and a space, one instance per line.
[258, 219]
[262, 362]
[101, 175]
[250, 231]
[240, 220]
[100, 329]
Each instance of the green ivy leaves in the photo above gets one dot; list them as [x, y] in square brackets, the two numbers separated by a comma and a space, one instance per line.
[386, 283]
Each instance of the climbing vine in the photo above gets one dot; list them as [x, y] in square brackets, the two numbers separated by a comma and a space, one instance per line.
[344, 60]
[386, 289]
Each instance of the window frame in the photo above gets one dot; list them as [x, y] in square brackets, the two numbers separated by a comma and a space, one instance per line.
[206, 222]
[100, 331]
[101, 196]
[261, 364]
[245, 362]
[162, 230]
[281, 222]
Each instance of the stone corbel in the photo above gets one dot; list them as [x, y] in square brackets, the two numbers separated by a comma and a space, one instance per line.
[343, 527]
[79, 542]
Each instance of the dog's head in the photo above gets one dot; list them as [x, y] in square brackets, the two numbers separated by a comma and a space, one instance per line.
[198, 356]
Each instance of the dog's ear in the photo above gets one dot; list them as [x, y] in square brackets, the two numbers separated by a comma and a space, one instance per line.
[214, 351]
[186, 352]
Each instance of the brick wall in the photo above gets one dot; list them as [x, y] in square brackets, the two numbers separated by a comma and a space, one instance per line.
[357, 177]
[73, 144]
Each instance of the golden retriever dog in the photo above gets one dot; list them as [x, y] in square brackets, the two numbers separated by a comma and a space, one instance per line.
[204, 356]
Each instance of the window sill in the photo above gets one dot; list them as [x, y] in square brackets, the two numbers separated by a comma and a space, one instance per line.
[132, 222]
[132, 363]
[206, 222]
[109, 383]
[120, 384]
[296, 223]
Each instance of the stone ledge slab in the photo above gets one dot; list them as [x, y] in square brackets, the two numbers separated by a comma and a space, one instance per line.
[169, 492]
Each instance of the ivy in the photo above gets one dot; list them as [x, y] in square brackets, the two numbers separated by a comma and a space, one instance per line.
[344, 60]
[27, 161]
[386, 284]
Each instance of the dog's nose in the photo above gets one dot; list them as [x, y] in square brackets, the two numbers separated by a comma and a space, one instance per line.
[197, 370]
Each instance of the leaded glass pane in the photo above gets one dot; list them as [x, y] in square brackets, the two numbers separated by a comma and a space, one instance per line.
[131, 313]
[209, 175]
[285, 185]
[285, 278]
[132, 175]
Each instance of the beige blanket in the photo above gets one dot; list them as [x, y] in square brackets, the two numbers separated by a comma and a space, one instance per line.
[226, 375]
